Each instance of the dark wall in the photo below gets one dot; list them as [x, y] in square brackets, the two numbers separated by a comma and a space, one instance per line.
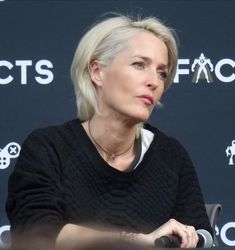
[37, 42]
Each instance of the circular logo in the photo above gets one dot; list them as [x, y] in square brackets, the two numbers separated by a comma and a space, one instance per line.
[5, 236]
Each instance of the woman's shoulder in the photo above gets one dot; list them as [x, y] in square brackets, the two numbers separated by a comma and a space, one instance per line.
[60, 138]
[168, 148]
[49, 146]
[67, 130]
[164, 140]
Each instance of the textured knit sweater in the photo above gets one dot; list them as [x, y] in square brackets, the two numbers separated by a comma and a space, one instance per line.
[60, 178]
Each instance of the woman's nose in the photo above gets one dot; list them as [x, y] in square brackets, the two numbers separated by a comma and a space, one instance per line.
[153, 80]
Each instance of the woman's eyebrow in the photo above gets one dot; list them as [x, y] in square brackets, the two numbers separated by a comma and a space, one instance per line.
[145, 58]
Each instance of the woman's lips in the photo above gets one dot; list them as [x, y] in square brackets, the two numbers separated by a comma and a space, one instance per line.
[147, 99]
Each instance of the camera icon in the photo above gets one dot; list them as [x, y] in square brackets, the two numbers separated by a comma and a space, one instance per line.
[10, 151]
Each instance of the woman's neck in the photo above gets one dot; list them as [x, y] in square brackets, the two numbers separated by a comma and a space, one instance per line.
[112, 137]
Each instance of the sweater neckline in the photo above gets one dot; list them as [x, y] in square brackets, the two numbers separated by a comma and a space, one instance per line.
[90, 151]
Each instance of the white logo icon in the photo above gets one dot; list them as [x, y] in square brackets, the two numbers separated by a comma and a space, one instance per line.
[11, 150]
[203, 67]
[224, 235]
[230, 152]
[4, 229]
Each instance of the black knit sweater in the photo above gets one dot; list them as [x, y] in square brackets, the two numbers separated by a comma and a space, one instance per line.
[60, 178]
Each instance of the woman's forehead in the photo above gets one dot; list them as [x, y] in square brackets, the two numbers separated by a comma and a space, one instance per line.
[145, 45]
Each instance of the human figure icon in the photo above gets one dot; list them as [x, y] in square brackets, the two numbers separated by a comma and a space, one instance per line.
[230, 151]
[202, 63]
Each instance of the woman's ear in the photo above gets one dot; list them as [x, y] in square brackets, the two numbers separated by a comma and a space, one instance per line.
[95, 69]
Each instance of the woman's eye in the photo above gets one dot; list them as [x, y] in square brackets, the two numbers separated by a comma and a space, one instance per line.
[163, 74]
[139, 65]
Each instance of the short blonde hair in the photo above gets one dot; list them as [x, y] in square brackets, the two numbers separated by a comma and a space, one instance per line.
[102, 42]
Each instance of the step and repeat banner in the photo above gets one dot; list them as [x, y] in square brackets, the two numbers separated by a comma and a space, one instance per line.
[37, 43]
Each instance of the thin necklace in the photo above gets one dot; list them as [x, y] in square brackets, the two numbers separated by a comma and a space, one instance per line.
[111, 156]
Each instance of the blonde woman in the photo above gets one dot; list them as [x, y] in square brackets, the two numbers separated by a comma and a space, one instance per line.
[109, 174]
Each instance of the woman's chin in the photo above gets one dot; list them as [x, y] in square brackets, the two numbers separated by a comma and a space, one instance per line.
[141, 117]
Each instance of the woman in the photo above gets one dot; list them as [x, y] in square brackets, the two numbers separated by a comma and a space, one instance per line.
[106, 175]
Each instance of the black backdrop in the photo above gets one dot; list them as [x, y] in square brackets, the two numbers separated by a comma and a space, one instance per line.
[37, 42]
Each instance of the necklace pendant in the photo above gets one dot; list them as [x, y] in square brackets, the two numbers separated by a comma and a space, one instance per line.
[112, 157]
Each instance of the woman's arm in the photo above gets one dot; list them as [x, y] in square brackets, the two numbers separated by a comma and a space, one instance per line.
[34, 205]
[190, 206]
[78, 237]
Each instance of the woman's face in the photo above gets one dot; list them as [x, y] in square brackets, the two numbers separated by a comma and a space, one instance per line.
[133, 83]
